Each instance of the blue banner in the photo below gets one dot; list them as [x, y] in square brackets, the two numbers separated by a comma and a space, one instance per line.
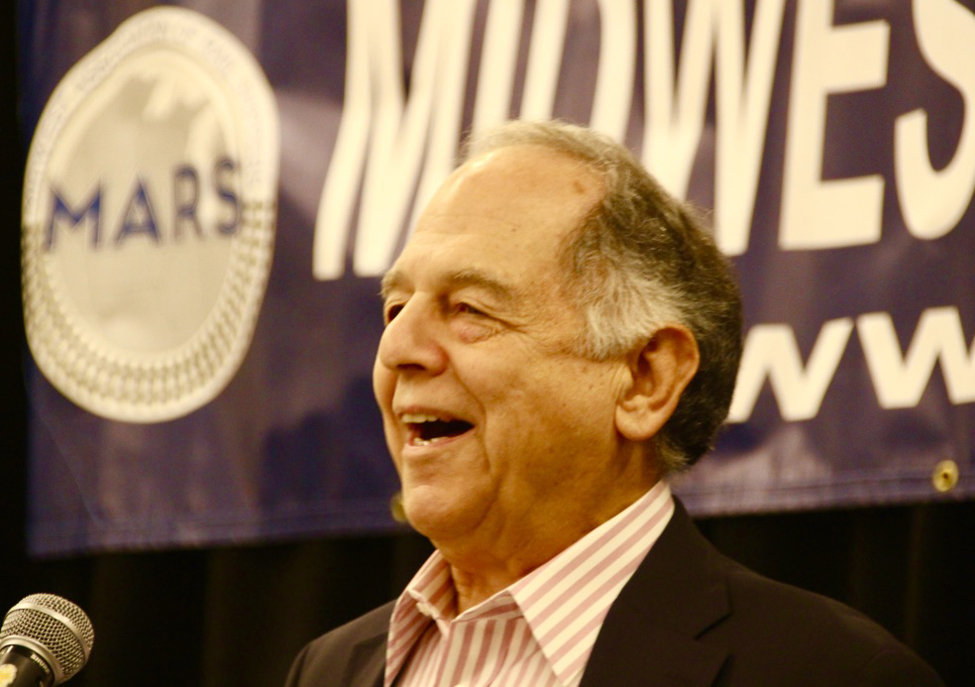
[214, 189]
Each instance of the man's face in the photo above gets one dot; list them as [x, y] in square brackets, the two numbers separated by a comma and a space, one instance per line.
[499, 431]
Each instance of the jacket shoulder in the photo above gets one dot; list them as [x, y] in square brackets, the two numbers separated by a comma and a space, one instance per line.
[747, 628]
[777, 628]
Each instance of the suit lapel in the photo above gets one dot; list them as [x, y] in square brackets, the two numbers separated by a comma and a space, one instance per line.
[650, 634]
[368, 662]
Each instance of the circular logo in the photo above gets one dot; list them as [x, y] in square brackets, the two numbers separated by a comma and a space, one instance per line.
[149, 208]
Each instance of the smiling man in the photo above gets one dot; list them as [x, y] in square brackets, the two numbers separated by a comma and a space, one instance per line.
[560, 335]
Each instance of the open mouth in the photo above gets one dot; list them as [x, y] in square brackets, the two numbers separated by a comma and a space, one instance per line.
[428, 429]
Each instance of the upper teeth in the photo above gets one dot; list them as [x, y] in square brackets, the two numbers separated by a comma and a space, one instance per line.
[416, 418]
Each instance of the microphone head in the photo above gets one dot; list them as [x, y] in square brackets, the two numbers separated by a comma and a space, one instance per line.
[56, 629]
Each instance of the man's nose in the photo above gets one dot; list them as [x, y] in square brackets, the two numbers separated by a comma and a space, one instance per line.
[412, 340]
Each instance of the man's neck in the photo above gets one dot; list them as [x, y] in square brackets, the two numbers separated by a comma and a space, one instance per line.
[479, 572]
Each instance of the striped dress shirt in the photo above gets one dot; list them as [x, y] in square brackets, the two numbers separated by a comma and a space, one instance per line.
[540, 630]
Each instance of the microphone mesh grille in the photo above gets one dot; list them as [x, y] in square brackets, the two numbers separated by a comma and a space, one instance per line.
[68, 648]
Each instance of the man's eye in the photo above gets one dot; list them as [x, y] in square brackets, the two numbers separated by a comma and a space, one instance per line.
[467, 309]
[392, 311]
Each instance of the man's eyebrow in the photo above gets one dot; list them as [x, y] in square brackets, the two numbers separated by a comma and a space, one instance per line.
[394, 279]
[480, 280]
[391, 281]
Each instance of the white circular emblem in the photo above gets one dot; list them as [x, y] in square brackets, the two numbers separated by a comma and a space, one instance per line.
[149, 206]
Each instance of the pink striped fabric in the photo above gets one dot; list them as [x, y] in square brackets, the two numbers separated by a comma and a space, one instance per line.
[540, 630]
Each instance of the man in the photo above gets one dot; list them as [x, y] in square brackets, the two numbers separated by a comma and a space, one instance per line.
[560, 335]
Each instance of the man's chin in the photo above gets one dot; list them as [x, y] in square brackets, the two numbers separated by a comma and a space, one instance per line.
[436, 515]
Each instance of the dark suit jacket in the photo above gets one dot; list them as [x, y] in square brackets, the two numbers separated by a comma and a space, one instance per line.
[688, 616]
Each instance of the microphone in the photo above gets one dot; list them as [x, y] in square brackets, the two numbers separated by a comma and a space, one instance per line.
[45, 640]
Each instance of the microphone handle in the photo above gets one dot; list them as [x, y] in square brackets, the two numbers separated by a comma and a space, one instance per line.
[21, 667]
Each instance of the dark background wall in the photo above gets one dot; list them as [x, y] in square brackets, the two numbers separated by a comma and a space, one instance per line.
[236, 616]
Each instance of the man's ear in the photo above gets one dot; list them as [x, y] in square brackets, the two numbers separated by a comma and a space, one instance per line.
[659, 372]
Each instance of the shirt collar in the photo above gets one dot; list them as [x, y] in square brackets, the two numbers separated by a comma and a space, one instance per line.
[431, 595]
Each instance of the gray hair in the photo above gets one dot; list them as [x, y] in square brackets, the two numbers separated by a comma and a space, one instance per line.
[640, 259]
